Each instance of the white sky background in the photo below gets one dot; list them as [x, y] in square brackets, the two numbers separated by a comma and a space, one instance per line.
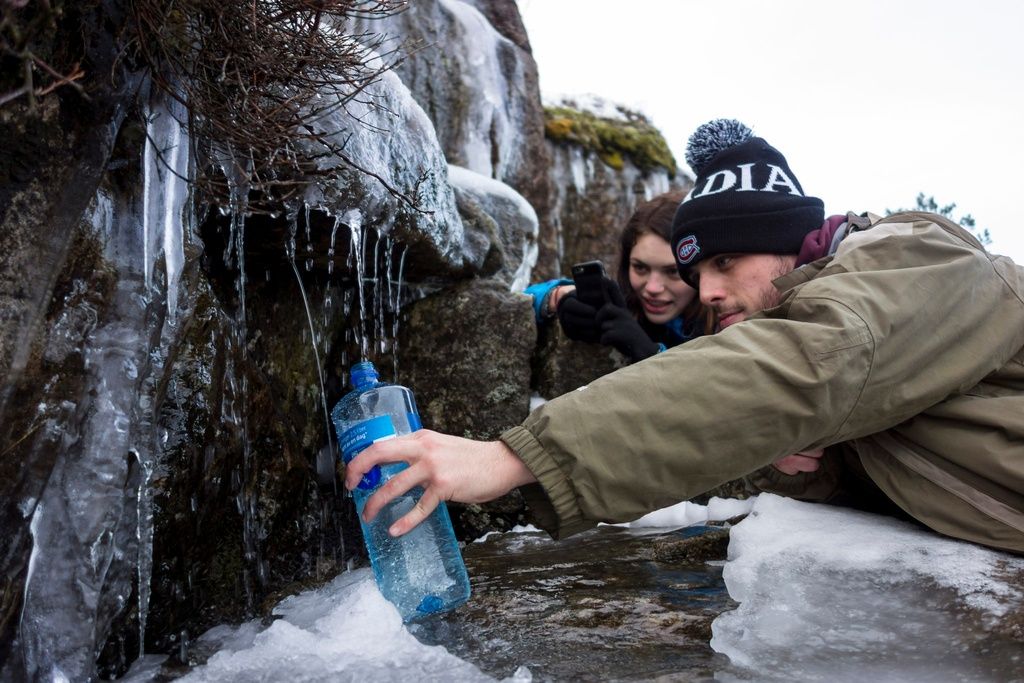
[870, 102]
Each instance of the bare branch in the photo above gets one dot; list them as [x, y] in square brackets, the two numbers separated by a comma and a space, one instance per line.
[252, 74]
[21, 34]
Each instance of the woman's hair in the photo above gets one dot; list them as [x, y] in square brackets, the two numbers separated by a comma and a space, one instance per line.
[654, 216]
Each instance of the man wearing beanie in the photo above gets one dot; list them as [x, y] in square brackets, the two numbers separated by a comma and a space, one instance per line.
[875, 362]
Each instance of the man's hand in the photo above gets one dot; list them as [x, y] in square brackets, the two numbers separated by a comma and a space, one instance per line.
[804, 461]
[447, 467]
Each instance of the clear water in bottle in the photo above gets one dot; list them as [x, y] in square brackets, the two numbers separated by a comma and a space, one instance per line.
[421, 572]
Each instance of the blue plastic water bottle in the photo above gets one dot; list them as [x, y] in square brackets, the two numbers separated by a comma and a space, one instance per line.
[421, 572]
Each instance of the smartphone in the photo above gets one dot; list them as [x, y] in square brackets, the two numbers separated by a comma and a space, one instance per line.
[588, 277]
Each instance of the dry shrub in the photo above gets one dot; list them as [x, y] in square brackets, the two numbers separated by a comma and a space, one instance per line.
[255, 76]
[28, 70]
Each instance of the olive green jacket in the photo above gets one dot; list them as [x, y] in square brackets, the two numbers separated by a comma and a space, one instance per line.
[904, 347]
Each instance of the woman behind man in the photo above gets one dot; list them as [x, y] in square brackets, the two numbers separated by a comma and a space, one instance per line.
[649, 309]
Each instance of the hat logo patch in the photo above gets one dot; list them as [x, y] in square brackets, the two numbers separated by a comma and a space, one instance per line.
[687, 249]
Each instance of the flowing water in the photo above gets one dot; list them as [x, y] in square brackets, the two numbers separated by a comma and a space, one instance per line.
[609, 604]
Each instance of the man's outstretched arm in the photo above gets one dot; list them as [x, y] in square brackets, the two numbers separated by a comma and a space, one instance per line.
[447, 467]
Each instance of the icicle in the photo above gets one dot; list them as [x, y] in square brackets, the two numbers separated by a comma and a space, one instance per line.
[238, 234]
[378, 299]
[292, 216]
[316, 353]
[390, 294]
[174, 250]
[330, 251]
[309, 239]
[165, 172]
[383, 286]
[397, 307]
[357, 248]
[150, 174]
[173, 201]
[309, 246]
[144, 537]
[33, 529]
[164, 218]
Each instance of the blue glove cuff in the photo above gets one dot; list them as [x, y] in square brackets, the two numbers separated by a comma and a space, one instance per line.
[540, 292]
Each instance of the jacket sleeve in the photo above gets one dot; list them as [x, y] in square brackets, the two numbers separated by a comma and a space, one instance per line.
[540, 291]
[894, 324]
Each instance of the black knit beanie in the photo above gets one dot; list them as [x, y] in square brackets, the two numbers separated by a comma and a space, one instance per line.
[745, 199]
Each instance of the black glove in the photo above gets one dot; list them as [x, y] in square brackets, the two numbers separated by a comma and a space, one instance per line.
[578, 320]
[619, 328]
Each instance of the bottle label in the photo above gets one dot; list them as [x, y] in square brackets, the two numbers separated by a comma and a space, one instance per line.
[356, 439]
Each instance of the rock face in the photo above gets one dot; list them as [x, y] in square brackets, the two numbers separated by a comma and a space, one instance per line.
[468, 64]
[166, 458]
[562, 365]
[501, 222]
[165, 436]
[605, 159]
[467, 352]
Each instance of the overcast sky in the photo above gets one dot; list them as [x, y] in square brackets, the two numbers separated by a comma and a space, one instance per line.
[871, 102]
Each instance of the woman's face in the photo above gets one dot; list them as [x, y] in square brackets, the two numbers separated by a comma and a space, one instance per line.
[653, 276]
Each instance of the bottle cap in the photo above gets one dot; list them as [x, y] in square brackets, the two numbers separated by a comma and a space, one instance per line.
[363, 374]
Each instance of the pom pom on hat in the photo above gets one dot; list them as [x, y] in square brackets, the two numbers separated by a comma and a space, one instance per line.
[711, 138]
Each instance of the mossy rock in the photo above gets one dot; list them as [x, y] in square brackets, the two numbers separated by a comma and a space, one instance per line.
[632, 137]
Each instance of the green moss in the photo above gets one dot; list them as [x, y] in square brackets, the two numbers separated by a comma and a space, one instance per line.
[613, 140]
[613, 159]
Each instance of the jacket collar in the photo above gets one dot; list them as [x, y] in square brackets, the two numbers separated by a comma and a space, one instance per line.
[841, 228]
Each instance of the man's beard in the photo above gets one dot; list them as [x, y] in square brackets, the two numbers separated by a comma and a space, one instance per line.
[770, 296]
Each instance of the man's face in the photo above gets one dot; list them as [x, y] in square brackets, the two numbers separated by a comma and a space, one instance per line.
[736, 286]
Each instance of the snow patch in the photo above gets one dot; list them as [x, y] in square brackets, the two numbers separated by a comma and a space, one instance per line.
[343, 631]
[687, 513]
[590, 103]
[830, 593]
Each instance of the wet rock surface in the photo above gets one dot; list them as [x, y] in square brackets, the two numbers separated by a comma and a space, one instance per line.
[561, 365]
[608, 604]
[497, 216]
[469, 66]
[596, 188]
[466, 356]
